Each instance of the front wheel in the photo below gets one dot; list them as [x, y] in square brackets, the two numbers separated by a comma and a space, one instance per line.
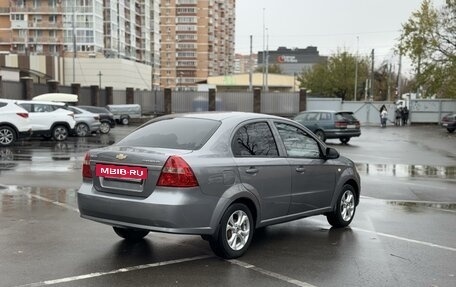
[7, 136]
[344, 212]
[60, 133]
[130, 234]
[344, 140]
[82, 130]
[234, 233]
[321, 135]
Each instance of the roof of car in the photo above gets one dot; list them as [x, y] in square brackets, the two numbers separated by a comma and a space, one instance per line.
[325, 111]
[40, 102]
[223, 115]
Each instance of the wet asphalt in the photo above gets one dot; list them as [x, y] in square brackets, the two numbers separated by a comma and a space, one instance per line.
[403, 233]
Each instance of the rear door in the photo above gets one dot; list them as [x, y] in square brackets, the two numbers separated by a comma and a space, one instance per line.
[261, 169]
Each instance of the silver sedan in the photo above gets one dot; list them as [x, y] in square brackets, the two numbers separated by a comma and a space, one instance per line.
[86, 122]
[220, 175]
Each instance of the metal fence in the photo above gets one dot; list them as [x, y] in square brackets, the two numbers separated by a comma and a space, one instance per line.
[284, 104]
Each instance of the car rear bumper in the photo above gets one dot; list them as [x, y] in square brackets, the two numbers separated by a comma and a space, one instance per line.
[173, 211]
[342, 133]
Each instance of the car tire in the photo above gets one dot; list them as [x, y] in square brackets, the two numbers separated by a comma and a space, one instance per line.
[321, 135]
[130, 234]
[125, 121]
[105, 128]
[60, 133]
[7, 136]
[344, 140]
[82, 130]
[450, 130]
[234, 233]
[345, 208]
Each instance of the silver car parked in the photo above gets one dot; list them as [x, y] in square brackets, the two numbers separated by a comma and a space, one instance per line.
[86, 122]
[220, 175]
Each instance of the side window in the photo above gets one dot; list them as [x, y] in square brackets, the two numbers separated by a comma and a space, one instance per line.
[312, 116]
[254, 140]
[2, 105]
[297, 142]
[325, 116]
[28, 107]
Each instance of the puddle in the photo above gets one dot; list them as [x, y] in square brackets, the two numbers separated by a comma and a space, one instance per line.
[438, 205]
[404, 170]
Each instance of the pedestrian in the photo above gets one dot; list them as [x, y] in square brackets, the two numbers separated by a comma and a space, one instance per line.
[383, 116]
[405, 115]
[398, 116]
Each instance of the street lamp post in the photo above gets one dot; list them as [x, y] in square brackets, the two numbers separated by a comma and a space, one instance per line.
[99, 79]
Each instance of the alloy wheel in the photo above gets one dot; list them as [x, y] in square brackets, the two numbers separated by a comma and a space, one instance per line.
[238, 230]
[347, 205]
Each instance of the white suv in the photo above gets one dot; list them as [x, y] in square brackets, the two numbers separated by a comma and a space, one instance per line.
[49, 119]
[14, 122]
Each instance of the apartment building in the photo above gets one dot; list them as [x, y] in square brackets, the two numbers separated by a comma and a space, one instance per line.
[245, 63]
[197, 41]
[125, 29]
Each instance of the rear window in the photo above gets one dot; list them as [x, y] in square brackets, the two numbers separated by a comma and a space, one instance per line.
[2, 105]
[174, 133]
[345, 116]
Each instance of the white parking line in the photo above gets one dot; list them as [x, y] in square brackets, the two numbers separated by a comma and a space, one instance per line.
[121, 270]
[405, 239]
[67, 206]
[271, 274]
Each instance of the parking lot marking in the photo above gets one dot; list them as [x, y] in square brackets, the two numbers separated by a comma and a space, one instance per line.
[121, 270]
[271, 274]
[405, 239]
[54, 202]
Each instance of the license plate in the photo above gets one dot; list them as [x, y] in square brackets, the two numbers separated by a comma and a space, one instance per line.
[351, 126]
[120, 171]
[445, 125]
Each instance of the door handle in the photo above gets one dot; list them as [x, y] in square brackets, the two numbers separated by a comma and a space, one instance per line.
[300, 169]
[251, 170]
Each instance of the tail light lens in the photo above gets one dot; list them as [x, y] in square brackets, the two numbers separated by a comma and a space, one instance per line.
[340, 124]
[24, 115]
[177, 173]
[86, 172]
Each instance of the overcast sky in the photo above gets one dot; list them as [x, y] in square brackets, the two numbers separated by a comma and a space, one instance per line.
[326, 24]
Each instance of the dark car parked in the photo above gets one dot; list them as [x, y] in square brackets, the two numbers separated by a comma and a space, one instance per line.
[449, 122]
[218, 175]
[331, 124]
[106, 117]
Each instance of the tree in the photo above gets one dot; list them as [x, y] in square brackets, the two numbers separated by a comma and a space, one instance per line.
[336, 76]
[272, 69]
[429, 39]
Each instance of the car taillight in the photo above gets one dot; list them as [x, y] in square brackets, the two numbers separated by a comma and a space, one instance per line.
[358, 125]
[340, 124]
[24, 115]
[177, 173]
[86, 173]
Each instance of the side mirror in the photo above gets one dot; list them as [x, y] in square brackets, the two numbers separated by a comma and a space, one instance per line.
[332, 153]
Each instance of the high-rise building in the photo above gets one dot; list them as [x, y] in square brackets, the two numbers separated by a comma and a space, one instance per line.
[197, 41]
[125, 29]
[245, 63]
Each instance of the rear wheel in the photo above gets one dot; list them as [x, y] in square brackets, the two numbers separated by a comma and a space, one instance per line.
[234, 233]
[450, 130]
[321, 135]
[105, 127]
[82, 130]
[344, 212]
[344, 140]
[7, 136]
[130, 234]
[60, 133]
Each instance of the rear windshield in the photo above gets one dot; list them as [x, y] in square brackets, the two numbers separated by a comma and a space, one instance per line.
[174, 133]
[345, 116]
